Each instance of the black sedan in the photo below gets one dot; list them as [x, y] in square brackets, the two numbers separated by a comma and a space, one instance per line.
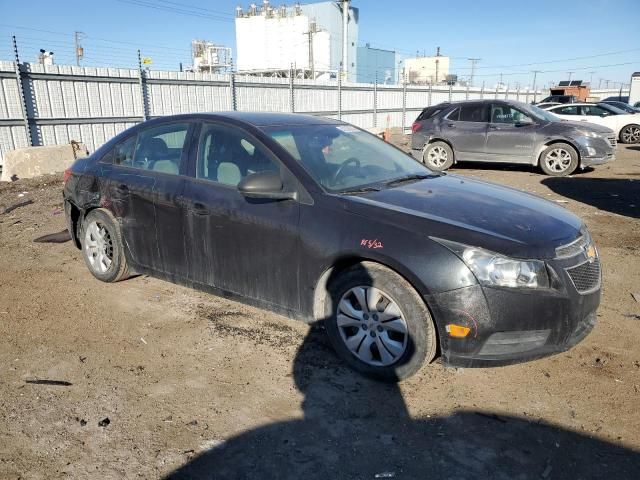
[320, 221]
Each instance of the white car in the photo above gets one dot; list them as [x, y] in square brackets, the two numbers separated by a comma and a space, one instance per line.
[625, 125]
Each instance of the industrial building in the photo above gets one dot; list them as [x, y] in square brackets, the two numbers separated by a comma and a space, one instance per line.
[305, 38]
[427, 70]
[375, 65]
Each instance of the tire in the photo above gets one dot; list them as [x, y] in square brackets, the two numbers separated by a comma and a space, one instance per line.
[359, 337]
[559, 160]
[630, 134]
[102, 246]
[437, 156]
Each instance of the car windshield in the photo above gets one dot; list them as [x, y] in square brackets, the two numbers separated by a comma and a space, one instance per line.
[612, 109]
[539, 113]
[344, 159]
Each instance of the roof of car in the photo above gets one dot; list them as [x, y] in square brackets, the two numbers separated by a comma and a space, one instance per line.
[259, 119]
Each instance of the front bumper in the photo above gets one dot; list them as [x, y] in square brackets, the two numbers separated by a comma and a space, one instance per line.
[597, 151]
[511, 326]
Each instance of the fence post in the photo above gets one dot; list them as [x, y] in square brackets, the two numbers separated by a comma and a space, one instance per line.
[143, 89]
[375, 101]
[340, 95]
[404, 101]
[467, 94]
[518, 94]
[292, 104]
[450, 93]
[429, 97]
[23, 101]
[232, 92]
[482, 91]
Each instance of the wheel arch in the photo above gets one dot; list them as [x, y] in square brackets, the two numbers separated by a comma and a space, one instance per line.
[625, 126]
[553, 141]
[321, 292]
[444, 140]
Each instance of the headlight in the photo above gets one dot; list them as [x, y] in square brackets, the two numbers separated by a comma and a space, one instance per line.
[496, 270]
[589, 133]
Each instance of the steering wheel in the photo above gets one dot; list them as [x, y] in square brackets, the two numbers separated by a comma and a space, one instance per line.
[341, 168]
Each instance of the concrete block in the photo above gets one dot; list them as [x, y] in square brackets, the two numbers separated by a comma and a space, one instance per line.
[34, 161]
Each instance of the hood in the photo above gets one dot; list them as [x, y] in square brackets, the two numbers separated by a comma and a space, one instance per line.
[571, 126]
[474, 212]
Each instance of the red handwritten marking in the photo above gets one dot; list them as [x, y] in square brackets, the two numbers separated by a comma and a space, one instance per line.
[371, 243]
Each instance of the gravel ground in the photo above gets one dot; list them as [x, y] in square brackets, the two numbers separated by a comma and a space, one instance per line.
[194, 386]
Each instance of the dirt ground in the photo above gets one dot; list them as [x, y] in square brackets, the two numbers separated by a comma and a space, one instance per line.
[194, 386]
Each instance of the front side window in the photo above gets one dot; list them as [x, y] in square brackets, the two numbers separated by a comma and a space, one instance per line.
[502, 113]
[226, 155]
[596, 111]
[160, 148]
[123, 152]
[342, 158]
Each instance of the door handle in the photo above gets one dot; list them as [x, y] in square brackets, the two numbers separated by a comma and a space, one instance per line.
[452, 125]
[200, 209]
[493, 127]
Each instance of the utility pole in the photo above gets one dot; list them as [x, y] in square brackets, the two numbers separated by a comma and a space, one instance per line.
[437, 63]
[535, 74]
[570, 73]
[591, 78]
[345, 39]
[501, 80]
[312, 30]
[473, 68]
[77, 36]
[600, 83]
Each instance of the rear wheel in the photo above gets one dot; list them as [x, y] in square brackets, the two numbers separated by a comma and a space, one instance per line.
[378, 323]
[630, 134]
[559, 160]
[102, 247]
[438, 156]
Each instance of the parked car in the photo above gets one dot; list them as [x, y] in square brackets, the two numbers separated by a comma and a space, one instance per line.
[560, 99]
[506, 131]
[621, 105]
[625, 125]
[547, 104]
[318, 220]
[636, 105]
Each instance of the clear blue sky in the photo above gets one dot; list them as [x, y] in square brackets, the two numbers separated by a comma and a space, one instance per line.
[502, 33]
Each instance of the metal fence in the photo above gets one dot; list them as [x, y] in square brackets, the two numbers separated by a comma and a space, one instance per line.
[48, 105]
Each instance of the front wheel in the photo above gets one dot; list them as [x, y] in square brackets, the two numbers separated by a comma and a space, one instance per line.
[102, 247]
[438, 156]
[378, 324]
[559, 160]
[630, 134]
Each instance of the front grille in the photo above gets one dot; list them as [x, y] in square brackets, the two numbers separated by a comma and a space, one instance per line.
[586, 276]
[612, 141]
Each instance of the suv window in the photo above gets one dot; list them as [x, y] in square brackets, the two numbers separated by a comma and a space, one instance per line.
[570, 110]
[227, 155]
[502, 113]
[160, 148]
[474, 113]
[430, 112]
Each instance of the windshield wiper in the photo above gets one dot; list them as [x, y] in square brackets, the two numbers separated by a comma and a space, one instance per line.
[408, 178]
[355, 191]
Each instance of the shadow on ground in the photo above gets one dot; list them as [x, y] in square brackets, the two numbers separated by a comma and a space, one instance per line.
[621, 196]
[356, 428]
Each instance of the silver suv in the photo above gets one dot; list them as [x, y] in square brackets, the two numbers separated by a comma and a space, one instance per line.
[506, 131]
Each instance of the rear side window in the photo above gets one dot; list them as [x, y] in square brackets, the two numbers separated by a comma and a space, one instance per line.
[570, 110]
[430, 112]
[474, 113]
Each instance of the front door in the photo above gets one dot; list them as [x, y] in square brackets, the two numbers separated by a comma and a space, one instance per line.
[241, 245]
[511, 135]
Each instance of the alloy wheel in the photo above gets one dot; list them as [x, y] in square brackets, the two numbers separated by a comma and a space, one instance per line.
[98, 246]
[372, 326]
[631, 134]
[437, 156]
[558, 160]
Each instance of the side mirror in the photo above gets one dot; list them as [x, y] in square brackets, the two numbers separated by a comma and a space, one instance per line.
[264, 185]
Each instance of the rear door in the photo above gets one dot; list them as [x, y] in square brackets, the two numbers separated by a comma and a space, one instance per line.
[237, 244]
[145, 191]
[466, 128]
[511, 135]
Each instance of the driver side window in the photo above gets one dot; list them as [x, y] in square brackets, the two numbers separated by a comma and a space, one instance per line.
[123, 152]
[502, 113]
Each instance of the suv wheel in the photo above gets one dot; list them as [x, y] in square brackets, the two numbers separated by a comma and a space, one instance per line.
[378, 323]
[559, 160]
[437, 156]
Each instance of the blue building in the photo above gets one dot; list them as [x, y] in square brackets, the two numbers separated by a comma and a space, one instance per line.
[374, 61]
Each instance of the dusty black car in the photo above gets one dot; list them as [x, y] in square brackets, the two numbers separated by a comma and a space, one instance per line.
[318, 220]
